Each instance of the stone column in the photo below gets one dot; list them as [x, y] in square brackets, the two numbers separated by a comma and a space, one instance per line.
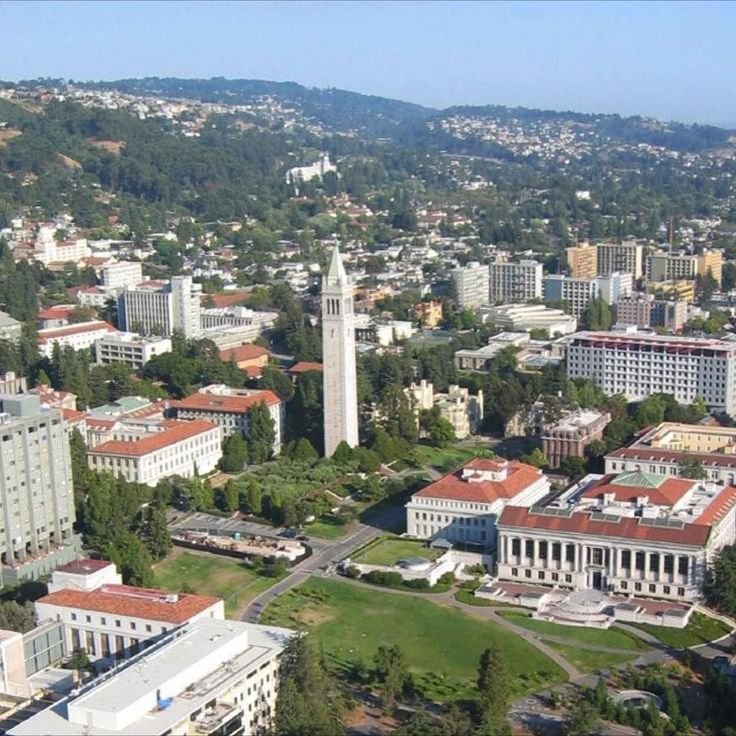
[660, 572]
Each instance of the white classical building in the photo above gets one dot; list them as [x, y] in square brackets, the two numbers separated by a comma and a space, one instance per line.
[110, 620]
[338, 349]
[206, 677]
[638, 364]
[463, 506]
[146, 451]
[634, 533]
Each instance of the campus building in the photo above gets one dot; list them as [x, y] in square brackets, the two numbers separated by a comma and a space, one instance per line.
[572, 434]
[514, 281]
[638, 364]
[206, 677]
[80, 336]
[462, 507]
[471, 285]
[121, 274]
[625, 257]
[582, 260]
[631, 533]
[129, 348]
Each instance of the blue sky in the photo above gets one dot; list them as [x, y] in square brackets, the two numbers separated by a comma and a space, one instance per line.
[673, 60]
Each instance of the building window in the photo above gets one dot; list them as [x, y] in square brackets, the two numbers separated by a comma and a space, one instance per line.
[516, 547]
[626, 559]
[637, 587]
[682, 565]
[624, 585]
[540, 575]
[652, 588]
[654, 562]
[668, 564]
[527, 573]
[555, 577]
[556, 551]
[681, 592]
[597, 556]
[640, 560]
[529, 548]
[570, 553]
[515, 572]
[666, 590]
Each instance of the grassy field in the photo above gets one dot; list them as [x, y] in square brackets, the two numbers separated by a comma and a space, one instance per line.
[444, 459]
[700, 630]
[602, 637]
[389, 550]
[586, 660]
[325, 530]
[442, 646]
[207, 574]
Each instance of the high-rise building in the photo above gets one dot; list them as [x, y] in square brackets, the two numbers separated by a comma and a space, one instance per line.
[514, 281]
[119, 274]
[338, 350]
[638, 364]
[711, 260]
[576, 292]
[35, 489]
[671, 266]
[161, 308]
[582, 260]
[471, 285]
[626, 257]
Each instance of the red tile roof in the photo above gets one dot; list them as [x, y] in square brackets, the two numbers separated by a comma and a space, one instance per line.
[668, 493]
[225, 300]
[453, 487]
[718, 507]
[126, 600]
[174, 432]
[303, 366]
[79, 329]
[237, 404]
[60, 311]
[72, 415]
[580, 522]
[243, 352]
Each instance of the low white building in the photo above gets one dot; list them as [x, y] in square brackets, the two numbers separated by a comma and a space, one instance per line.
[463, 506]
[147, 451]
[526, 317]
[113, 621]
[639, 534]
[129, 348]
[79, 336]
[207, 677]
[120, 274]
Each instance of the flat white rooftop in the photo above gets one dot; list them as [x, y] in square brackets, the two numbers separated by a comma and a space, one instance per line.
[192, 667]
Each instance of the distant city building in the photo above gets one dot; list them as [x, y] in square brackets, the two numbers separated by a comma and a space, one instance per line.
[522, 317]
[252, 323]
[162, 308]
[514, 281]
[317, 170]
[638, 364]
[35, 490]
[121, 274]
[572, 434]
[458, 406]
[10, 329]
[129, 348]
[207, 677]
[672, 315]
[429, 313]
[666, 266]
[338, 349]
[576, 292]
[80, 336]
[582, 260]
[50, 251]
[471, 285]
[644, 311]
[624, 257]
[147, 451]
[229, 408]
[615, 286]
[684, 290]
[462, 507]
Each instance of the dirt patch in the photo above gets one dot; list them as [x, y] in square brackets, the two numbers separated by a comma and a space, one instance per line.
[70, 163]
[7, 134]
[107, 145]
[314, 617]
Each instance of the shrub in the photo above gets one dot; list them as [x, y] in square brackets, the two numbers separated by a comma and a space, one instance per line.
[352, 572]
[379, 577]
[418, 584]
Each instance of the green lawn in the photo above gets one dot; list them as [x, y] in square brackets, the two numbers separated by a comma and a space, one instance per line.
[442, 645]
[700, 630]
[586, 660]
[207, 574]
[613, 638]
[389, 550]
[445, 459]
[325, 530]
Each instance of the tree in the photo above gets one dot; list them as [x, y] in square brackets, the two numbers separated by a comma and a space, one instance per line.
[261, 434]
[307, 701]
[442, 433]
[692, 468]
[229, 498]
[582, 719]
[254, 496]
[721, 588]
[573, 466]
[15, 617]
[304, 451]
[155, 533]
[494, 690]
[536, 457]
[79, 660]
[597, 315]
[234, 453]
[391, 671]
[131, 557]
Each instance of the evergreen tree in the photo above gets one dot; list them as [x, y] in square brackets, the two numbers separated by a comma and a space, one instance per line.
[253, 496]
[261, 434]
[391, 671]
[131, 557]
[155, 533]
[234, 453]
[304, 451]
[494, 690]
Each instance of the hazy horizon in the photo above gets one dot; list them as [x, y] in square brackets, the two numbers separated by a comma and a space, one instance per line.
[665, 60]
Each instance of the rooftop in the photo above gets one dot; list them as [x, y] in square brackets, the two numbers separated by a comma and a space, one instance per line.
[243, 352]
[126, 600]
[170, 433]
[238, 403]
[85, 567]
[53, 333]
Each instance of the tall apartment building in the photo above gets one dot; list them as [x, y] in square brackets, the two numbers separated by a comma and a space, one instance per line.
[577, 292]
[665, 266]
[514, 281]
[625, 257]
[615, 286]
[121, 274]
[471, 285]
[207, 677]
[161, 308]
[582, 260]
[37, 511]
[643, 310]
[638, 364]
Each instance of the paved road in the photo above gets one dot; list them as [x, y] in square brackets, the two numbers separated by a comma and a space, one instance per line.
[324, 555]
